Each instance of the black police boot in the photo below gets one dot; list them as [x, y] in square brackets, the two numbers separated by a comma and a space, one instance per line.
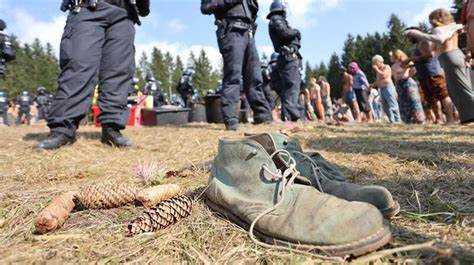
[54, 141]
[111, 136]
[232, 126]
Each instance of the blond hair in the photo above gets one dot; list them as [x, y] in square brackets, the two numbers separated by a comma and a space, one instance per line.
[377, 58]
[441, 17]
[399, 55]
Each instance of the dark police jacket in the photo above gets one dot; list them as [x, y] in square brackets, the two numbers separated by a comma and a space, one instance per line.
[7, 52]
[141, 8]
[42, 100]
[3, 104]
[237, 9]
[25, 102]
[283, 35]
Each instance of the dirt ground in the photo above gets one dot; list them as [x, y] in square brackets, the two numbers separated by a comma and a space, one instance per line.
[430, 170]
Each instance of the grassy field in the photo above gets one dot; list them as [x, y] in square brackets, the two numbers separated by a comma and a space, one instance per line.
[430, 170]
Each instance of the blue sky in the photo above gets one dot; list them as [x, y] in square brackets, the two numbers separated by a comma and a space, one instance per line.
[178, 26]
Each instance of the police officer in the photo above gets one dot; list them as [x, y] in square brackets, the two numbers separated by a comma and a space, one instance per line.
[7, 53]
[4, 107]
[266, 76]
[286, 42]
[185, 87]
[24, 103]
[42, 100]
[235, 20]
[96, 47]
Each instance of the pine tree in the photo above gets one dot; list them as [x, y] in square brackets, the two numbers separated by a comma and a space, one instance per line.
[308, 72]
[204, 78]
[35, 65]
[177, 72]
[396, 40]
[350, 52]
[334, 76]
[168, 74]
[158, 66]
[322, 70]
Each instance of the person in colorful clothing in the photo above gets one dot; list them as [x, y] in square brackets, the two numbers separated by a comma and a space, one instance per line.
[411, 109]
[360, 86]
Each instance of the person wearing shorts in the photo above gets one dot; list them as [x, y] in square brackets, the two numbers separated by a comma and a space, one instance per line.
[360, 86]
[348, 93]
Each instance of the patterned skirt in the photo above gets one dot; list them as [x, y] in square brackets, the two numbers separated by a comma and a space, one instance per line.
[411, 109]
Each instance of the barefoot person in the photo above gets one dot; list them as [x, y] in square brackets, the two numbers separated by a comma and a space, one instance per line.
[432, 80]
[348, 93]
[326, 97]
[387, 89]
[411, 109]
[445, 37]
[316, 100]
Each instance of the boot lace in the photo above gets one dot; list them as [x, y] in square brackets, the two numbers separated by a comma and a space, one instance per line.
[316, 170]
[286, 179]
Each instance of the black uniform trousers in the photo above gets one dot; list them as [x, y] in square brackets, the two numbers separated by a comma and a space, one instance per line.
[24, 111]
[42, 112]
[290, 85]
[241, 59]
[4, 116]
[97, 47]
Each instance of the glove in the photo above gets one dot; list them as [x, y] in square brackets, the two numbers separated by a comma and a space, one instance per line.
[143, 7]
[298, 34]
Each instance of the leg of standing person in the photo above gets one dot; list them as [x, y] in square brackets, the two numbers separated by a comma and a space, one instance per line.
[393, 102]
[28, 117]
[459, 84]
[290, 84]
[20, 117]
[116, 71]
[80, 56]
[385, 95]
[232, 46]
[253, 83]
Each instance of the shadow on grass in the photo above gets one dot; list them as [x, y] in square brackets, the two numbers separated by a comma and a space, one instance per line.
[40, 136]
[425, 152]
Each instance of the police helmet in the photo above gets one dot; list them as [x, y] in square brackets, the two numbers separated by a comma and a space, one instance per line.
[3, 94]
[274, 57]
[278, 6]
[149, 77]
[3, 25]
[25, 93]
[264, 63]
[40, 90]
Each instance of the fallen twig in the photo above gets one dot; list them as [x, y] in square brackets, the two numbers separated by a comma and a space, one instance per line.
[381, 254]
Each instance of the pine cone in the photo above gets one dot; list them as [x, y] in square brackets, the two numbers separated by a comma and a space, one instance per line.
[165, 214]
[105, 196]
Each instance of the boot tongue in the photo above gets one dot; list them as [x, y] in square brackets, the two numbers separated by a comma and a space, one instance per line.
[268, 143]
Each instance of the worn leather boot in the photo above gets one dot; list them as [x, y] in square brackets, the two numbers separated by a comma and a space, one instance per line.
[113, 137]
[254, 185]
[55, 140]
[325, 177]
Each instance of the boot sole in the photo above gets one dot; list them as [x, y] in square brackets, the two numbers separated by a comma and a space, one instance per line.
[358, 248]
[391, 212]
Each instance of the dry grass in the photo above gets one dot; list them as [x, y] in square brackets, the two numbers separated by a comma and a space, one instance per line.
[429, 169]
